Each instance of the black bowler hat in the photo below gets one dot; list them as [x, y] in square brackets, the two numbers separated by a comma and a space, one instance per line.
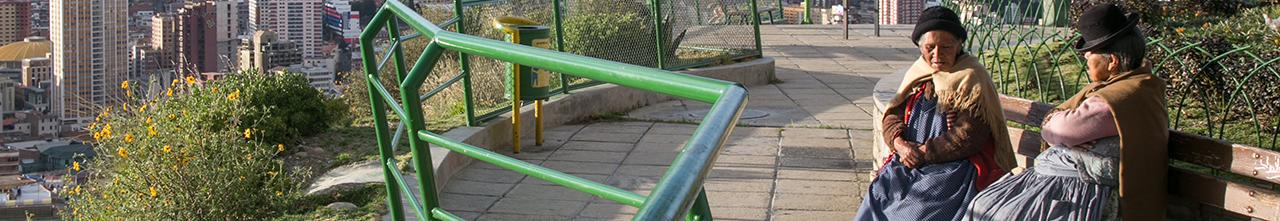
[938, 18]
[1100, 25]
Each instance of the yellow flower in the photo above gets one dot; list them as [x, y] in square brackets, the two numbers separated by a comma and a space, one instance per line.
[1180, 30]
[149, 121]
[128, 138]
[169, 92]
[122, 152]
[77, 191]
[124, 85]
[153, 192]
[75, 166]
[143, 108]
[151, 130]
[271, 173]
[247, 133]
[171, 116]
[234, 95]
[215, 89]
[191, 80]
[280, 148]
[278, 193]
[1206, 25]
[168, 148]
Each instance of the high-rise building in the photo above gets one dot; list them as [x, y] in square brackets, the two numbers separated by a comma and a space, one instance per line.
[206, 32]
[296, 21]
[894, 12]
[15, 20]
[40, 18]
[164, 41]
[341, 23]
[265, 51]
[90, 56]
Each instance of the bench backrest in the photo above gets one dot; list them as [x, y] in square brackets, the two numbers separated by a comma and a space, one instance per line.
[1251, 197]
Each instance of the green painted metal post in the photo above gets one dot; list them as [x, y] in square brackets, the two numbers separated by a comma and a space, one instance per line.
[397, 54]
[701, 208]
[464, 61]
[755, 26]
[413, 106]
[557, 16]
[782, 11]
[697, 10]
[656, 6]
[381, 130]
[806, 18]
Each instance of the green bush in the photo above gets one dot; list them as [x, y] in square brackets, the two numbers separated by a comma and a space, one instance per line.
[200, 152]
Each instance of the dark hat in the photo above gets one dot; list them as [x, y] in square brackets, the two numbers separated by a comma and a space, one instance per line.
[1100, 25]
[938, 18]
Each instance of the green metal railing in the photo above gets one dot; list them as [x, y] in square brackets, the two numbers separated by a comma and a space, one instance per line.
[664, 34]
[1217, 90]
[678, 194]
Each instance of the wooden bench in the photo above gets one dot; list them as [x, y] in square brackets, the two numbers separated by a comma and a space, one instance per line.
[1193, 195]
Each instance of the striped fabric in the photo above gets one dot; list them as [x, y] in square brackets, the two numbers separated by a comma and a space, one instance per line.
[934, 192]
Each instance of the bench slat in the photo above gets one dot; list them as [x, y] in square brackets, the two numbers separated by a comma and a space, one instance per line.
[1027, 145]
[1024, 111]
[1244, 160]
[1231, 196]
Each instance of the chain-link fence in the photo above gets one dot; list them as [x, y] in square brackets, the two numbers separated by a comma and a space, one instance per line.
[691, 33]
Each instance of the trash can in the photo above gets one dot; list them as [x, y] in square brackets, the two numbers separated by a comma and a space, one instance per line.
[535, 84]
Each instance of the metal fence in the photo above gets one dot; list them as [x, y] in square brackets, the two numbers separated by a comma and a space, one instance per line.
[678, 195]
[1216, 90]
[683, 34]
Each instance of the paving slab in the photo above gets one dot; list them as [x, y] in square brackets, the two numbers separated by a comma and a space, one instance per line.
[800, 152]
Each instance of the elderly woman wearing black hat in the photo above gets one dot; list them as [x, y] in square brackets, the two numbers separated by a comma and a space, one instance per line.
[945, 127]
[1106, 155]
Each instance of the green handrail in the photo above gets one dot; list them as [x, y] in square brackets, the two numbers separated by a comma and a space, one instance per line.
[680, 189]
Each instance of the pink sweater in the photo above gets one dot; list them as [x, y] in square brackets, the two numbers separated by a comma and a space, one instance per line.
[1090, 121]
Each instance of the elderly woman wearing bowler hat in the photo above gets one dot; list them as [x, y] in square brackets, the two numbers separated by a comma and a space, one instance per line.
[945, 127]
[1106, 155]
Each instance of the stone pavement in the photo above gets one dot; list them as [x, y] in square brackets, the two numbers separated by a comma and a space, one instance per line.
[803, 153]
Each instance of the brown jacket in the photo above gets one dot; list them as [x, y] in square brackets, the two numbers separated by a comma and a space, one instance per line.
[966, 136]
[1138, 104]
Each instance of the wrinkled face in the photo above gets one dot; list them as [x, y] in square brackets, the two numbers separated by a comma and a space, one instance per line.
[1101, 66]
[939, 49]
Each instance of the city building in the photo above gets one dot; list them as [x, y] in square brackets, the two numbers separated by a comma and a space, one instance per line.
[10, 163]
[341, 23]
[90, 56]
[900, 11]
[266, 51]
[40, 18]
[164, 42]
[13, 54]
[15, 20]
[321, 76]
[207, 32]
[297, 21]
[37, 73]
[8, 96]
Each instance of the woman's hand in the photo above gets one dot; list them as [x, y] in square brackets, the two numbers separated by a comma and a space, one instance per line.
[908, 153]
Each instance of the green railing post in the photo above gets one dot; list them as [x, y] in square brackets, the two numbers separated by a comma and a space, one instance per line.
[806, 18]
[558, 18]
[697, 10]
[413, 107]
[468, 97]
[701, 208]
[755, 27]
[397, 53]
[782, 11]
[657, 32]
[380, 128]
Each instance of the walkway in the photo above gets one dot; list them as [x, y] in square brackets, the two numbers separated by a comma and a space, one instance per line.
[804, 155]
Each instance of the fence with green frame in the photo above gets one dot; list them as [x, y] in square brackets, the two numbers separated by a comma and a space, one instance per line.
[1212, 90]
[690, 34]
[679, 193]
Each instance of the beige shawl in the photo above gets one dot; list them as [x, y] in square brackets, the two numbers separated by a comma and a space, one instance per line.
[967, 89]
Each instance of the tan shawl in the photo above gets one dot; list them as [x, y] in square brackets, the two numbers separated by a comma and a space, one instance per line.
[1138, 104]
[968, 89]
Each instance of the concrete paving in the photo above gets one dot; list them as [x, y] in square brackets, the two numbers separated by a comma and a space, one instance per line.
[803, 152]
